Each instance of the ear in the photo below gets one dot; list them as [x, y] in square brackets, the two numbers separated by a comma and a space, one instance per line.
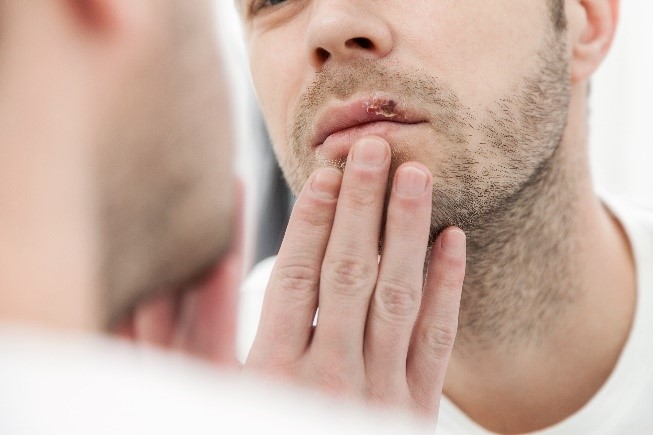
[107, 16]
[93, 14]
[592, 27]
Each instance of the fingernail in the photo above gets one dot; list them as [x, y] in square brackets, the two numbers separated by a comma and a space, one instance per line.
[370, 152]
[454, 242]
[411, 181]
[326, 183]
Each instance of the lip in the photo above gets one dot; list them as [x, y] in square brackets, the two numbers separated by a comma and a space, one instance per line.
[374, 114]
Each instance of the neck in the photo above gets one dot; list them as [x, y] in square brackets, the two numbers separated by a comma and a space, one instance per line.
[548, 298]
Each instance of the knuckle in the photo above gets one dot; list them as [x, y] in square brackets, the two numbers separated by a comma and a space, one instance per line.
[438, 339]
[336, 377]
[314, 213]
[397, 299]
[451, 274]
[260, 363]
[347, 272]
[455, 263]
[297, 280]
[333, 382]
[408, 204]
[452, 281]
[361, 196]
[384, 394]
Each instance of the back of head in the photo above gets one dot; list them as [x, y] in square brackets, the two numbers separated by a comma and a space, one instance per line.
[116, 142]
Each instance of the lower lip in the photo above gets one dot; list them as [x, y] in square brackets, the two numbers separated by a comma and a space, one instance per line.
[337, 145]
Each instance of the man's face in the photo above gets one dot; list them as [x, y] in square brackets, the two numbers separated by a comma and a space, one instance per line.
[165, 165]
[477, 91]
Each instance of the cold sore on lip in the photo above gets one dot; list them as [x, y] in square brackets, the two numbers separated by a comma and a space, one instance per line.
[382, 106]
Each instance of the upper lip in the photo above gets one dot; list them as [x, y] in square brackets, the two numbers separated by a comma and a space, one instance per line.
[361, 111]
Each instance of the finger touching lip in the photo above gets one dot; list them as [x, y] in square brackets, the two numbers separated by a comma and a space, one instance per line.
[340, 124]
[377, 108]
[336, 147]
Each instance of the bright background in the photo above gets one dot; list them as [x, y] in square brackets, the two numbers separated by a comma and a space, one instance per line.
[621, 119]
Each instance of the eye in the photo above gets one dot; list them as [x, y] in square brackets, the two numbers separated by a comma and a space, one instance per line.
[258, 5]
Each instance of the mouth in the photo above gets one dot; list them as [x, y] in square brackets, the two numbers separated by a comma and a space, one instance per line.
[339, 125]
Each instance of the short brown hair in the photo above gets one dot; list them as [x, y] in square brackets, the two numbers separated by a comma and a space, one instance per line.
[557, 8]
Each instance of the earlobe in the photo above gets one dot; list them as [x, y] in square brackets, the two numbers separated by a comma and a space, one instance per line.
[593, 28]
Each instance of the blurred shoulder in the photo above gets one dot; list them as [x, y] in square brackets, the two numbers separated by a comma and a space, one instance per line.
[81, 385]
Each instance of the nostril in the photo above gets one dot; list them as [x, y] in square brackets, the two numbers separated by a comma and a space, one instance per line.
[322, 55]
[363, 43]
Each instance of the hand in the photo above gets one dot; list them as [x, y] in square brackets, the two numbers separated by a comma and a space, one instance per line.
[381, 335]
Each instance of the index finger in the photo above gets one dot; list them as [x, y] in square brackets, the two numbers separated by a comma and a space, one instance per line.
[291, 297]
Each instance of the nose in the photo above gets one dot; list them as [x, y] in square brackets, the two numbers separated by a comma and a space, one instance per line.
[345, 30]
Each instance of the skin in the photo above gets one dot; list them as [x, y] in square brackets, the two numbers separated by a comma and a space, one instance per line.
[117, 172]
[116, 198]
[167, 211]
[117, 186]
[378, 338]
[504, 95]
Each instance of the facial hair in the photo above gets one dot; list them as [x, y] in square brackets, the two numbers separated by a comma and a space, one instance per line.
[493, 167]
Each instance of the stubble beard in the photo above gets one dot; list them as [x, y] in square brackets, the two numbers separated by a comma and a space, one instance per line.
[502, 178]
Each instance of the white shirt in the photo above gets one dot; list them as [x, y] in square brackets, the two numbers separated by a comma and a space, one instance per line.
[624, 405]
[53, 384]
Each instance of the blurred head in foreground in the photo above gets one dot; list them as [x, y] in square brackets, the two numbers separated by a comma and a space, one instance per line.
[115, 176]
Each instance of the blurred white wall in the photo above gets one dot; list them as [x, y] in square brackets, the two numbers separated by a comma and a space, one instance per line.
[621, 120]
[248, 139]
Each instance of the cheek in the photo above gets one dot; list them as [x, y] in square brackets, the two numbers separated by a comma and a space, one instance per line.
[275, 74]
[480, 50]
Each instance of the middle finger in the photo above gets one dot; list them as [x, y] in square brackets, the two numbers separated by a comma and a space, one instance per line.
[350, 265]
